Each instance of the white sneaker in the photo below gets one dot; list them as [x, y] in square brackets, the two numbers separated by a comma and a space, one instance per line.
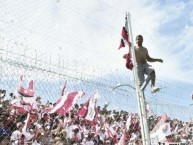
[154, 89]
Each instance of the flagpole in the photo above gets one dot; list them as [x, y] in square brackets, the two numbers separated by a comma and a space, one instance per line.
[139, 94]
[136, 81]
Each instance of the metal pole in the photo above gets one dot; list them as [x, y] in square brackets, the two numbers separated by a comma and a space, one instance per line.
[144, 112]
[136, 82]
[147, 134]
[140, 95]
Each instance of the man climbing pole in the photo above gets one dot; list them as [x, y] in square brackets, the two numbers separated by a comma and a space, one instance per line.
[142, 57]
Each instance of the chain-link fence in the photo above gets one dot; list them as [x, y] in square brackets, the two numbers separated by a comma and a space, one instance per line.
[49, 78]
[50, 54]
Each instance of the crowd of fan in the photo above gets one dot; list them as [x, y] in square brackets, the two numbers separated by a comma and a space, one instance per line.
[52, 129]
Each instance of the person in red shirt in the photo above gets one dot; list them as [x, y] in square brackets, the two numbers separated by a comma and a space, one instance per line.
[168, 139]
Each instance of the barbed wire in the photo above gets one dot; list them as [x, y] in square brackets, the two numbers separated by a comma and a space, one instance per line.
[40, 69]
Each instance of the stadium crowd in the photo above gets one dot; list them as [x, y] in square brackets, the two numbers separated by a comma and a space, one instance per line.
[110, 128]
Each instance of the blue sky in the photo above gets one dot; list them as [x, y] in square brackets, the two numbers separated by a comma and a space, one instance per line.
[85, 36]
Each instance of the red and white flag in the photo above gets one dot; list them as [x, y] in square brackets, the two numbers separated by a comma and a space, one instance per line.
[129, 121]
[27, 122]
[21, 107]
[83, 110]
[125, 35]
[89, 111]
[66, 102]
[93, 122]
[109, 132]
[29, 92]
[28, 136]
[122, 140]
[125, 41]
[62, 92]
[163, 131]
[160, 122]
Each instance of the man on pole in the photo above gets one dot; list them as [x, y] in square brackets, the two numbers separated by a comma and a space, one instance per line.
[142, 57]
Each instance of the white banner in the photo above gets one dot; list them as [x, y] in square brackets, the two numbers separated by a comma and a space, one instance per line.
[91, 109]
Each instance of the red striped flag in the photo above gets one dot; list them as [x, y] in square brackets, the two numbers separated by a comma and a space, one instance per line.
[82, 111]
[21, 106]
[122, 140]
[29, 92]
[89, 111]
[160, 122]
[28, 136]
[124, 41]
[27, 122]
[66, 102]
[95, 119]
[125, 35]
[109, 133]
[129, 121]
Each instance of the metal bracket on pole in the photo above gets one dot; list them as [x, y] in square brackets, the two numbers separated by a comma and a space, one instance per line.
[124, 85]
[142, 88]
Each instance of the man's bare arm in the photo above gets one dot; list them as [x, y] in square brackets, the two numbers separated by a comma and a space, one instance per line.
[153, 59]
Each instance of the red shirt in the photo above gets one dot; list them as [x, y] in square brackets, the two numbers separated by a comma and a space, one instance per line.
[168, 140]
